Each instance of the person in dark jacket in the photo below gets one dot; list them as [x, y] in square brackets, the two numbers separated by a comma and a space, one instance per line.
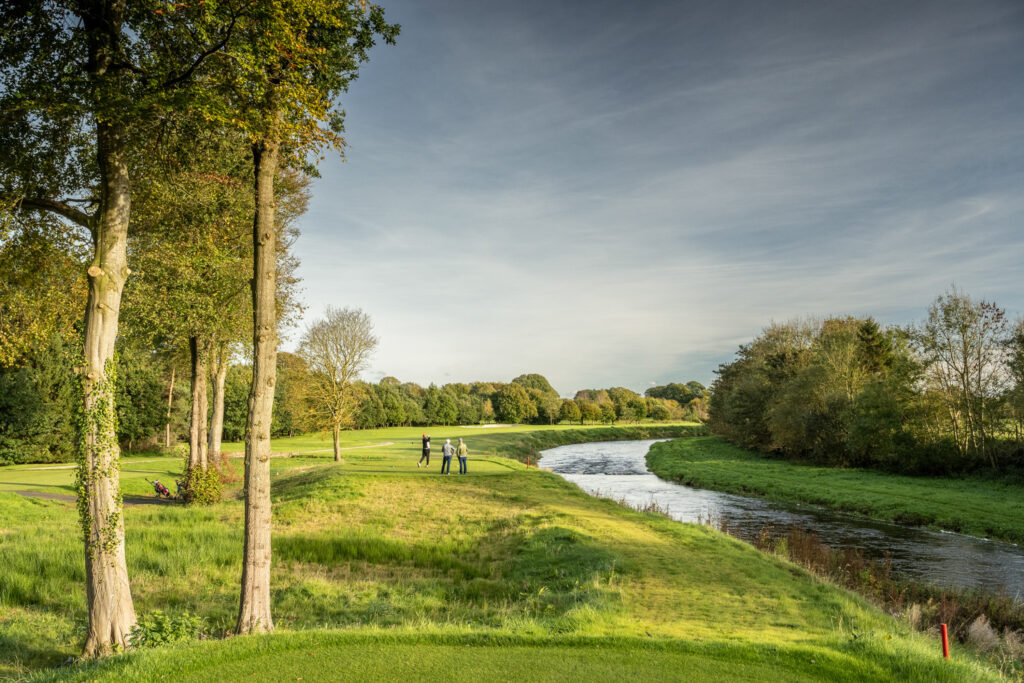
[426, 451]
[447, 450]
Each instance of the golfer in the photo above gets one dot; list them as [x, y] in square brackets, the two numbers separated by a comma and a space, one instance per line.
[426, 451]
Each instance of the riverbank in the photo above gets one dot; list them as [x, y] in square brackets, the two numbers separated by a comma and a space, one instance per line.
[990, 508]
[402, 573]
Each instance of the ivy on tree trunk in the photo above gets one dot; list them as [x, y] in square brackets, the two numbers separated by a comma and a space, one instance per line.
[111, 611]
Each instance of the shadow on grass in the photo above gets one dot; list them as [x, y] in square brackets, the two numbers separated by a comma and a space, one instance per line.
[323, 483]
[25, 652]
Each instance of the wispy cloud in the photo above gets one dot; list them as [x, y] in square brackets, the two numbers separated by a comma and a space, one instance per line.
[617, 198]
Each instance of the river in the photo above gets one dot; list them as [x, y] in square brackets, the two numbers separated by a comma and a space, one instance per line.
[617, 470]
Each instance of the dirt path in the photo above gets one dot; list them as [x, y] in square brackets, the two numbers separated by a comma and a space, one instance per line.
[130, 501]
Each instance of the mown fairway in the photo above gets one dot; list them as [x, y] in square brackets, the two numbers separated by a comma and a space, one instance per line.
[979, 506]
[504, 574]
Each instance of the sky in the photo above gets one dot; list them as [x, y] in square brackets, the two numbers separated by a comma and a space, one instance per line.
[619, 194]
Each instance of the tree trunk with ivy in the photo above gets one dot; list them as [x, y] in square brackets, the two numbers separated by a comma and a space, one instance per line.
[216, 433]
[200, 407]
[254, 608]
[109, 599]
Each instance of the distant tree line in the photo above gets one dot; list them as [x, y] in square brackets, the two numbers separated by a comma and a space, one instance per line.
[527, 399]
[37, 394]
[942, 396]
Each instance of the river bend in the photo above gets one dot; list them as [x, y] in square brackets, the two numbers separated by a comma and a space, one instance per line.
[617, 470]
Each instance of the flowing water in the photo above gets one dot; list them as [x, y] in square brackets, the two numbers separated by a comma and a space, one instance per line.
[617, 470]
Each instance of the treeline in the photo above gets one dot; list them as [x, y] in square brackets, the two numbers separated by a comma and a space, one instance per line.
[939, 397]
[38, 395]
[527, 399]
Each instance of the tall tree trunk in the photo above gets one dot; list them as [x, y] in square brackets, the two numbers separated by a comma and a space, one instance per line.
[336, 433]
[220, 374]
[108, 593]
[254, 607]
[170, 400]
[200, 408]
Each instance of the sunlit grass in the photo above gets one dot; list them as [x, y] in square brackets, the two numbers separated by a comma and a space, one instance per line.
[406, 569]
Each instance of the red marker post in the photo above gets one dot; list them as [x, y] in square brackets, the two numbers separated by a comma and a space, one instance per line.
[945, 641]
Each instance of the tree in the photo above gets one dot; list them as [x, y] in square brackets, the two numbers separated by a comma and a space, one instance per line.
[79, 83]
[589, 410]
[548, 405]
[336, 350]
[291, 400]
[569, 411]
[660, 412]
[639, 408]
[535, 381]
[963, 344]
[621, 398]
[513, 404]
[290, 62]
[1015, 366]
[439, 406]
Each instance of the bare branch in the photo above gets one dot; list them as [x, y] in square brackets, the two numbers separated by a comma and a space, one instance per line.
[60, 208]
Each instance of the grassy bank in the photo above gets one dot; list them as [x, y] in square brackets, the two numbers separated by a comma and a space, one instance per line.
[977, 506]
[385, 570]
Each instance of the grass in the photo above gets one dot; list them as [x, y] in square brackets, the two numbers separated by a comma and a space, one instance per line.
[454, 656]
[993, 508]
[384, 570]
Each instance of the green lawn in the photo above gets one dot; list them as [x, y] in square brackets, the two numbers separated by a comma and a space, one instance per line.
[384, 570]
[983, 507]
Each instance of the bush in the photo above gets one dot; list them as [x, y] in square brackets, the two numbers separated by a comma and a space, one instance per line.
[159, 628]
[201, 488]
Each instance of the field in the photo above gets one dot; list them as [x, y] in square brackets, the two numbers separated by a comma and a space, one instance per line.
[992, 508]
[383, 570]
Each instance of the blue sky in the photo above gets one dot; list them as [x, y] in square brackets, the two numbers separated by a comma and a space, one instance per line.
[619, 194]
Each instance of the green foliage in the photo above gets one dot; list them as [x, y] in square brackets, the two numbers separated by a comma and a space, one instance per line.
[535, 381]
[236, 401]
[512, 404]
[439, 406]
[569, 411]
[673, 391]
[36, 399]
[846, 392]
[141, 397]
[660, 412]
[42, 292]
[370, 411]
[201, 487]
[159, 628]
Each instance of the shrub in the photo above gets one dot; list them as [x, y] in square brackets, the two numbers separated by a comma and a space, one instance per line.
[201, 487]
[159, 628]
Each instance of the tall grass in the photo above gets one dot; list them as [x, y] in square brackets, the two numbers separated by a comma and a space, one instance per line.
[992, 624]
